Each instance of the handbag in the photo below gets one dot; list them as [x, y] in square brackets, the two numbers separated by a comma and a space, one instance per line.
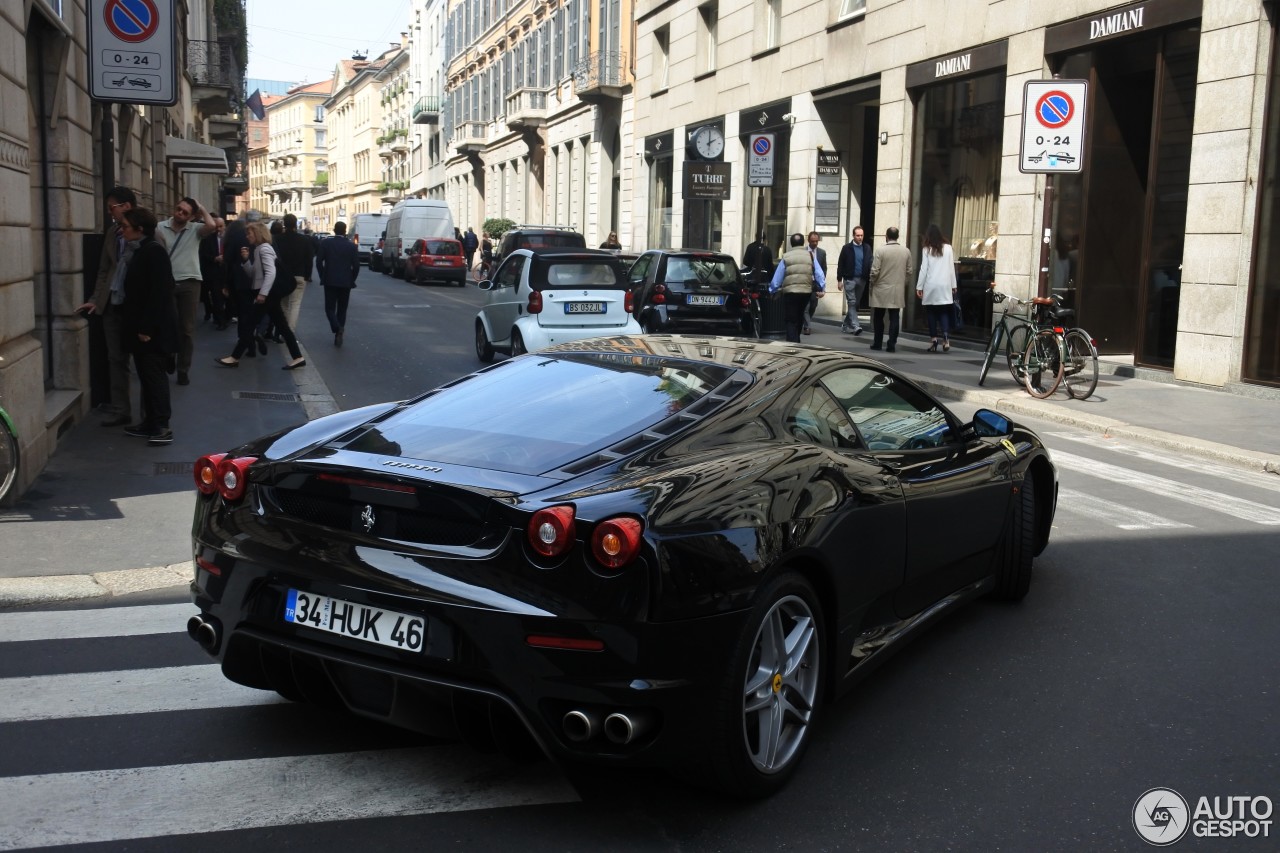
[957, 321]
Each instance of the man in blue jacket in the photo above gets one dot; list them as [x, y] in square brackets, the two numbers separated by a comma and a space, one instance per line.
[338, 264]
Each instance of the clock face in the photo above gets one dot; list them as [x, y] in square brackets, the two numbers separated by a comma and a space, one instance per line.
[708, 142]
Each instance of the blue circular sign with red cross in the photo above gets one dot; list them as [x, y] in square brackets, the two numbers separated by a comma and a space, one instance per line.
[1055, 109]
[762, 145]
[131, 20]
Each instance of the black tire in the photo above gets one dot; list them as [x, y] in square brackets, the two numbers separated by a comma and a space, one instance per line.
[1018, 546]
[765, 710]
[1014, 349]
[1042, 364]
[419, 278]
[1080, 370]
[993, 347]
[651, 325]
[484, 349]
[10, 459]
[517, 344]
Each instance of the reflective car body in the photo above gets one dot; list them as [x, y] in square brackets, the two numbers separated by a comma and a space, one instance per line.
[436, 259]
[538, 298]
[659, 550]
[693, 289]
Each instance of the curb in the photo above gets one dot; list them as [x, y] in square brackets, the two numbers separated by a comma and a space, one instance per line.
[17, 592]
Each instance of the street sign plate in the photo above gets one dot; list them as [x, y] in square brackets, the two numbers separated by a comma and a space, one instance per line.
[131, 51]
[1053, 126]
[760, 160]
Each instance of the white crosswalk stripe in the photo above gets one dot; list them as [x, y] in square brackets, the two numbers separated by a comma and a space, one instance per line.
[1206, 499]
[115, 805]
[147, 802]
[1270, 482]
[1111, 513]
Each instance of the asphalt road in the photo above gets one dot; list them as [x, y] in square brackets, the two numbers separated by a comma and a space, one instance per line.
[1143, 657]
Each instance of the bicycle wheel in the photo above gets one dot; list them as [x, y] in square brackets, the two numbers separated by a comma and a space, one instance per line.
[992, 348]
[1080, 364]
[8, 457]
[1018, 337]
[1042, 363]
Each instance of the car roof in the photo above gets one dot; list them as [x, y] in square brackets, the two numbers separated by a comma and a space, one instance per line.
[567, 252]
[750, 354]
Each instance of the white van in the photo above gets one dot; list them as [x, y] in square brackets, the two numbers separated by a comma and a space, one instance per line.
[410, 220]
[365, 231]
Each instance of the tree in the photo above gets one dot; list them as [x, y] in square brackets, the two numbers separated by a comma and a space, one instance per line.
[496, 227]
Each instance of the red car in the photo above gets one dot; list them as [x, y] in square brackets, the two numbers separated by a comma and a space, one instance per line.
[436, 259]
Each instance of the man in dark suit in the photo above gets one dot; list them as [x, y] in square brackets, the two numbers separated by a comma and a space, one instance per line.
[213, 275]
[296, 252]
[820, 256]
[337, 264]
[852, 271]
[758, 258]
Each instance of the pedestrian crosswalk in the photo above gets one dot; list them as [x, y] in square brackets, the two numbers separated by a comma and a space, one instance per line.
[107, 796]
[1188, 492]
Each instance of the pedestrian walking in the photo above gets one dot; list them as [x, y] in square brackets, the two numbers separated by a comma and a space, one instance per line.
[181, 236]
[213, 275]
[106, 302]
[150, 321]
[798, 276]
[297, 254]
[486, 257]
[470, 242]
[819, 255]
[757, 260]
[890, 272]
[237, 287]
[612, 243]
[337, 265]
[258, 266]
[852, 270]
[936, 287]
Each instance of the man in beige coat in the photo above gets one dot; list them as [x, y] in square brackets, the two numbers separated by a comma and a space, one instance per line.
[890, 273]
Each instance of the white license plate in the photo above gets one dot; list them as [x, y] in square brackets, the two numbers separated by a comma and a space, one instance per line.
[357, 621]
[444, 263]
[704, 300]
[584, 308]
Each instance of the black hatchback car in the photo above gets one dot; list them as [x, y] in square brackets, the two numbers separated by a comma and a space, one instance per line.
[691, 290]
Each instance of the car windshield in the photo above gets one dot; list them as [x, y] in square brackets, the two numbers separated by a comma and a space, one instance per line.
[594, 273]
[536, 414]
[444, 247]
[702, 270]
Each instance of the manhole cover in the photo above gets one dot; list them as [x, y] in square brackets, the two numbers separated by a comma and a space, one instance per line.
[166, 468]
[267, 396]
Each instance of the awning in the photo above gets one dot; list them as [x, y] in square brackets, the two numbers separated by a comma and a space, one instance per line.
[187, 156]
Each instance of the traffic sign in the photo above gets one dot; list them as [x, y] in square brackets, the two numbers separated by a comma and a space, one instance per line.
[132, 51]
[760, 160]
[1053, 126]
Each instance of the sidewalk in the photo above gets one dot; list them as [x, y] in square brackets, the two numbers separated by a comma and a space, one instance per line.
[111, 515]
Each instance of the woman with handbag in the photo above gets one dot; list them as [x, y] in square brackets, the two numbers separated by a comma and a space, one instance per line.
[936, 286]
[260, 264]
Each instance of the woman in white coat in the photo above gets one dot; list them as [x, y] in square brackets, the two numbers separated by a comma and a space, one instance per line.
[936, 286]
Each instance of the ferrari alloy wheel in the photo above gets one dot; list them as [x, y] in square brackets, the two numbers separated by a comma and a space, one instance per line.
[772, 691]
[484, 349]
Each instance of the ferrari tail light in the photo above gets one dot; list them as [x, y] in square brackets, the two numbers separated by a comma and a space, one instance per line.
[233, 478]
[616, 541]
[551, 530]
[629, 304]
[206, 473]
[535, 302]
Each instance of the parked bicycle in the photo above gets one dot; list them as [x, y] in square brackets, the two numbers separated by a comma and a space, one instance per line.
[9, 455]
[1012, 332]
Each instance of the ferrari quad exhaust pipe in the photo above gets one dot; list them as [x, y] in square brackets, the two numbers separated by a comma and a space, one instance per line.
[580, 726]
[623, 727]
[204, 633]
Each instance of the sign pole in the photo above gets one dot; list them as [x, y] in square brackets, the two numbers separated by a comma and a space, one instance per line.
[1046, 241]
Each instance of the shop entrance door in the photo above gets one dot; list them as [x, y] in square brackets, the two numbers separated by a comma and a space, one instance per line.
[1120, 226]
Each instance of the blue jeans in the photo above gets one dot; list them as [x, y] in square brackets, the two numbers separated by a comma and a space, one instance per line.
[940, 320]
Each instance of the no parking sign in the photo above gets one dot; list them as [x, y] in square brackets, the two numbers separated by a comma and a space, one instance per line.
[1053, 126]
[131, 52]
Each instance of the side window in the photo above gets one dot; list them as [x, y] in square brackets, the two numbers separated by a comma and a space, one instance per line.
[509, 273]
[889, 414]
[640, 268]
[817, 418]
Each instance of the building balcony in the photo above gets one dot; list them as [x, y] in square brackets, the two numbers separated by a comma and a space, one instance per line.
[427, 110]
[400, 142]
[215, 77]
[470, 136]
[601, 76]
[384, 149]
[527, 108]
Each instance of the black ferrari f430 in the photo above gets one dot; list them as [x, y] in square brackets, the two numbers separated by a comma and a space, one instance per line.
[657, 550]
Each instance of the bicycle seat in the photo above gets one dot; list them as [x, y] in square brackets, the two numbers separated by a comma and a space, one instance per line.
[1041, 300]
[1063, 316]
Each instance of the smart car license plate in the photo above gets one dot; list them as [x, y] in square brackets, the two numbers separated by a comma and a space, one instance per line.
[694, 299]
[584, 308]
[358, 621]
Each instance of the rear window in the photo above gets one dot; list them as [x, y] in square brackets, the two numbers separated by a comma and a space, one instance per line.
[444, 247]
[537, 414]
[703, 270]
[595, 273]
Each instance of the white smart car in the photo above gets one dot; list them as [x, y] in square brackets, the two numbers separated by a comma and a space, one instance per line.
[550, 296]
